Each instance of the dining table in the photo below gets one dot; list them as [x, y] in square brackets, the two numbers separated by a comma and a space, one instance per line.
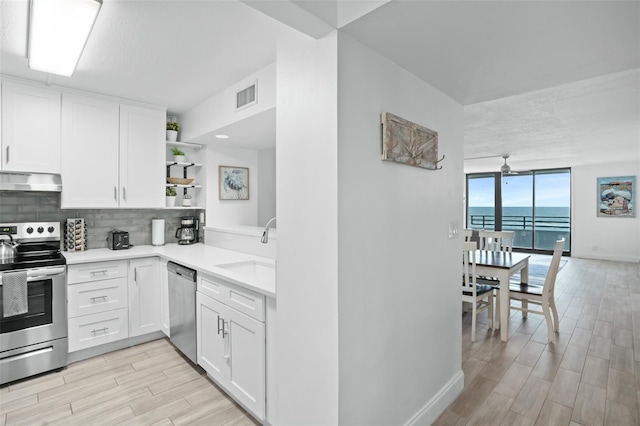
[502, 265]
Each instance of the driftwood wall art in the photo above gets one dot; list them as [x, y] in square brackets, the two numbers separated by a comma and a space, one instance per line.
[409, 143]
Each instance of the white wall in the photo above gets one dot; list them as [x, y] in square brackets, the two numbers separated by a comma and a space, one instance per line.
[613, 238]
[307, 265]
[231, 212]
[220, 110]
[399, 293]
[267, 187]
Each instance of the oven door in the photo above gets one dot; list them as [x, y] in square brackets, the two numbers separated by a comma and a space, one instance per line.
[46, 318]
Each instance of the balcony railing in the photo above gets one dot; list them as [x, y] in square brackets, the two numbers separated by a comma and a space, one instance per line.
[542, 231]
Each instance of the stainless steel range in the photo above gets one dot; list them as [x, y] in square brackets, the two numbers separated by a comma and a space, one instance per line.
[33, 301]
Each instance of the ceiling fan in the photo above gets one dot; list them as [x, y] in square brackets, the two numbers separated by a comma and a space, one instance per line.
[506, 169]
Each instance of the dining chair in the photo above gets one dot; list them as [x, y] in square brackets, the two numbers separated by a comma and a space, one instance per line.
[540, 295]
[478, 295]
[496, 240]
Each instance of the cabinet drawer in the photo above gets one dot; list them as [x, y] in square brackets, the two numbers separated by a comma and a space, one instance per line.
[97, 296]
[211, 287]
[96, 271]
[246, 301]
[96, 329]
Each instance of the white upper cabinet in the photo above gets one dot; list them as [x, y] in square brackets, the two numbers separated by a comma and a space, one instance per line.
[30, 128]
[112, 154]
[90, 133]
[142, 159]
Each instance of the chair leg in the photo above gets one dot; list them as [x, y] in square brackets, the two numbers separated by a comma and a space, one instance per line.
[496, 322]
[547, 317]
[525, 306]
[490, 311]
[554, 311]
[473, 321]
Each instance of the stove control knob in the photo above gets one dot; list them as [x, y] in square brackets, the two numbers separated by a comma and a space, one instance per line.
[50, 229]
[29, 230]
[40, 229]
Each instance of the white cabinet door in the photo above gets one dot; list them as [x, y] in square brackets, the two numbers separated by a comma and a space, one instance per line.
[164, 299]
[144, 296]
[210, 341]
[30, 128]
[231, 349]
[90, 132]
[246, 361]
[142, 157]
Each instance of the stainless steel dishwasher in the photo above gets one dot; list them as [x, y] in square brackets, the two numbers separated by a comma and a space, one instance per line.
[182, 309]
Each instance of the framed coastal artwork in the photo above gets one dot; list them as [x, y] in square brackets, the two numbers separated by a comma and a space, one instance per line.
[409, 143]
[233, 183]
[616, 196]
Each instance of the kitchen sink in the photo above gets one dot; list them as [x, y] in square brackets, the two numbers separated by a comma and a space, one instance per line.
[252, 270]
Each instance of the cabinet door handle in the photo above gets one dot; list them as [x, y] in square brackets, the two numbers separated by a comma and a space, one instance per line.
[124, 193]
[94, 273]
[115, 193]
[93, 299]
[135, 275]
[8, 154]
[94, 331]
[219, 328]
[227, 345]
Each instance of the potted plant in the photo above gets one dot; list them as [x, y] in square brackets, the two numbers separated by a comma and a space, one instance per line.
[172, 130]
[171, 196]
[178, 156]
[186, 200]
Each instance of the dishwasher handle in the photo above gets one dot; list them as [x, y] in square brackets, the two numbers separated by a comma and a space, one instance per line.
[182, 271]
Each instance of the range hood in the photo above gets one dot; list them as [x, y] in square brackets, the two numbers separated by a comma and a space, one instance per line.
[17, 181]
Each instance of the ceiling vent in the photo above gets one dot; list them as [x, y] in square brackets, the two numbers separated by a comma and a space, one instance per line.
[247, 97]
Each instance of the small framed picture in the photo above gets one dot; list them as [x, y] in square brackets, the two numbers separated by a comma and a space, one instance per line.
[616, 196]
[233, 183]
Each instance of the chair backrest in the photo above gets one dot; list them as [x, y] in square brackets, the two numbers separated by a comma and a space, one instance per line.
[467, 234]
[496, 240]
[469, 267]
[550, 280]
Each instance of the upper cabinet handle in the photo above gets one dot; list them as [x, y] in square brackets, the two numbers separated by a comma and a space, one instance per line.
[8, 154]
[115, 193]
[124, 193]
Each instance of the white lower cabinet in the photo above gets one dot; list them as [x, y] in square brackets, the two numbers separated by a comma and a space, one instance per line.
[97, 304]
[231, 346]
[144, 296]
[114, 300]
[164, 298]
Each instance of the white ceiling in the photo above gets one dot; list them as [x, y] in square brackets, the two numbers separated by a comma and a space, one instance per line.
[178, 52]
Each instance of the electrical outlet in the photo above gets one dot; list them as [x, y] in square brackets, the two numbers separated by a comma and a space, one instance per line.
[453, 229]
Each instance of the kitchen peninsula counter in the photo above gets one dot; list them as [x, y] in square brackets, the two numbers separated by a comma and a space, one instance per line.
[202, 258]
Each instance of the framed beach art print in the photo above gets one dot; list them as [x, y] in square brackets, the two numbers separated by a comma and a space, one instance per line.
[233, 183]
[616, 196]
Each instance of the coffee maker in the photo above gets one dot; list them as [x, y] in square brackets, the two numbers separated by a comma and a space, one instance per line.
[187, 233]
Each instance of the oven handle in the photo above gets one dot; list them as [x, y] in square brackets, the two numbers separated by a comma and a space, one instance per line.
[38, 274]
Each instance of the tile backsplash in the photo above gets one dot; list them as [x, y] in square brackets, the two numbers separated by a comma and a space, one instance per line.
[17, 206]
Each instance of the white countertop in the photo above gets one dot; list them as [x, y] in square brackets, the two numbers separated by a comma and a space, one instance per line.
[200, 257]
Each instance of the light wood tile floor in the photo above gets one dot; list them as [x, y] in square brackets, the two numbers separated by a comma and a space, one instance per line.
[148, 384]
[589, 376]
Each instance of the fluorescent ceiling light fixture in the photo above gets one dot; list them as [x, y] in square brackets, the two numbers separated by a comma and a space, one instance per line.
[222, 136]
[58, 32]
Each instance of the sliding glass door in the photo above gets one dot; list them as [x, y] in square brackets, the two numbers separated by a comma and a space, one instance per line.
[534, 204]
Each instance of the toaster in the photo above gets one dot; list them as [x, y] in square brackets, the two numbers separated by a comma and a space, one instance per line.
[118, 240]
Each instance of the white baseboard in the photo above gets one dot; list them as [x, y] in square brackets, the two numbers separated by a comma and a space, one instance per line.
[602, 256]
[436, 406]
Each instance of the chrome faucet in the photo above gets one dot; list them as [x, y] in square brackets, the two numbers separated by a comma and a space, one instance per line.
[265, 234]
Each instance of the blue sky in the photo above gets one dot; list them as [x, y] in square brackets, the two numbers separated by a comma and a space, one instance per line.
[552, 190]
